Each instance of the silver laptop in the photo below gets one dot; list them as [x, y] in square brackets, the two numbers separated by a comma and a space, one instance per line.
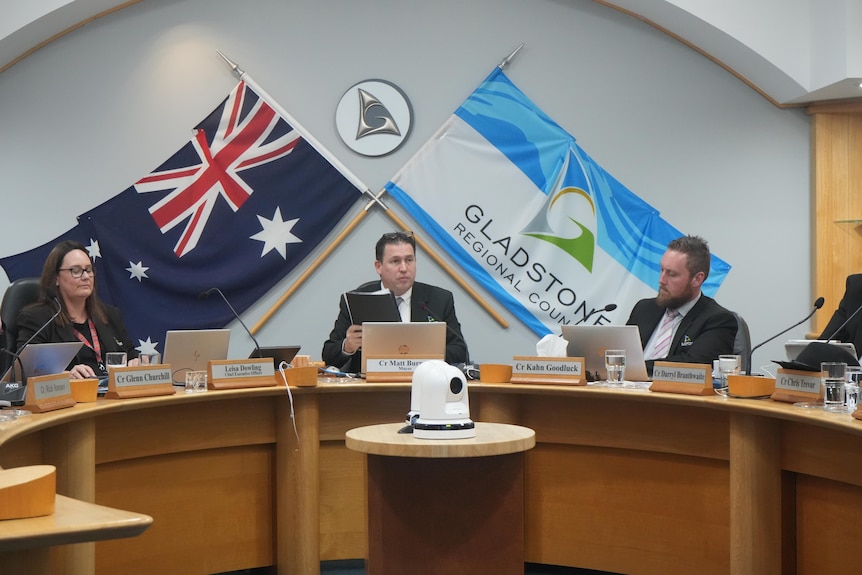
[591, 341]
[387, 339]
[192, 349]
[794, 347]
[47, 358]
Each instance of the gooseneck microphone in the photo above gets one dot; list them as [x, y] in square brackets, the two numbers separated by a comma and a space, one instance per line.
[843, 325]
[206, 294]
[818, 303]
[457, 335]
[609, 307]
[16, 388]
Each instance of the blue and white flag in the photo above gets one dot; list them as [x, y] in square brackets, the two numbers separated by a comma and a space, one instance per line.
[237, 207]
[511, 196]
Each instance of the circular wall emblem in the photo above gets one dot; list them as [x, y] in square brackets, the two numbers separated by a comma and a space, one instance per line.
[374, 117]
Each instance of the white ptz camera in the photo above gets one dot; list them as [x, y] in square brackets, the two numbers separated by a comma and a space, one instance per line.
[439, 404]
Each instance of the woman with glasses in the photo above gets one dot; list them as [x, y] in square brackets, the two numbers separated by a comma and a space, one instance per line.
[69, 281]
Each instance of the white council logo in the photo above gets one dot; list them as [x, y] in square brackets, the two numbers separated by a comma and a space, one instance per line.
[374, 118]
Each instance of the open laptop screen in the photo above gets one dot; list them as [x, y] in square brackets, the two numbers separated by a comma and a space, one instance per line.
[392, 339]
[192, 349]
[591, 341]
[47, 358]
[278, 354]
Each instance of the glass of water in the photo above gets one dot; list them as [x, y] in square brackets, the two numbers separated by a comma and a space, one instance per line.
[833, 376]
[727, 365]
[615, 366]
[851, 387]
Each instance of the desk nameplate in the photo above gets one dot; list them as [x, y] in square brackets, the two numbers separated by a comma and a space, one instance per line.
[793, 386]
[139, 381]
[684, 378]
[548, 370]
[394, 369]
[48, 392]
[240, 373]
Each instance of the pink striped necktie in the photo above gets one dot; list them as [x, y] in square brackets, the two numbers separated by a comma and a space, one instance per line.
[664, 335]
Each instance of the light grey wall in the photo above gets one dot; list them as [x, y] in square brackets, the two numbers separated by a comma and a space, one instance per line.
[83, 118]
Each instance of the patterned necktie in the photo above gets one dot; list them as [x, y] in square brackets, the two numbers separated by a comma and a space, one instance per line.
[664, 335]
[400, 300]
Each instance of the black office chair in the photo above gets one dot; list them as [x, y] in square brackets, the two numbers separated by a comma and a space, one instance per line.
[20, 293]
[742, 344]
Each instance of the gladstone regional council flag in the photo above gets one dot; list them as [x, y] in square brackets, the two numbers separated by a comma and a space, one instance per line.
[514, 200]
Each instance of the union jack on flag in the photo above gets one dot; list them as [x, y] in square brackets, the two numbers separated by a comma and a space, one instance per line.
[240, 143]
[237, 207]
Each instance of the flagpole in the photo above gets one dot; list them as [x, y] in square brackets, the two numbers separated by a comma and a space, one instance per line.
[242, 75]
[508, 59]
[310, 269]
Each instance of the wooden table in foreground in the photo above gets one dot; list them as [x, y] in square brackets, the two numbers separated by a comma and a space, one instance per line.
[445, 505]
[25, 543]
[620, 480]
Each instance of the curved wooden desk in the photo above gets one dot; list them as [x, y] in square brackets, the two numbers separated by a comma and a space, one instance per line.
[625, 481]
[445, 505]
[24, 543]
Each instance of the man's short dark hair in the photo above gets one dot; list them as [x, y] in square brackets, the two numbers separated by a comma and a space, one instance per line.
[697, 253]
[393, 238]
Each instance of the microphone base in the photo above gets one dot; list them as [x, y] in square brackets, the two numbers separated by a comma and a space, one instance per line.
[13, 392]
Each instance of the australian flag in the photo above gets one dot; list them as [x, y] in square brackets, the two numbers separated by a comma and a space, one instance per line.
[238, 207]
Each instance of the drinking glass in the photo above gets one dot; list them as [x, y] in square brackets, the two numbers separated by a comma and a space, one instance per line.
[150, 358]
[115, 359]
[615, 366]
[851, 387]
[196, 381]
[727, 365]
[833, 376]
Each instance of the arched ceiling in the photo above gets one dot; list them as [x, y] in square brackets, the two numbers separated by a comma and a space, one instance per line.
[791, 51]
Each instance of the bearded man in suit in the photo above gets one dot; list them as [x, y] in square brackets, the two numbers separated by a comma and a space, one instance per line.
[682, 324]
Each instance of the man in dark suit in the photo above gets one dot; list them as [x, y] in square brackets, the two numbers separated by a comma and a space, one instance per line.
[395, 263]
[680, 323]
[852, 300]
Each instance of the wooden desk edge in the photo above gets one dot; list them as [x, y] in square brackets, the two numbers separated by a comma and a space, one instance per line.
[73, 521]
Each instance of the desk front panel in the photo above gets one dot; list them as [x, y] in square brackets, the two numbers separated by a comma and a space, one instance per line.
[631, 482]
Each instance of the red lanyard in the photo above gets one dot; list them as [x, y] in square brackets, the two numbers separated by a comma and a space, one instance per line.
[95, 346]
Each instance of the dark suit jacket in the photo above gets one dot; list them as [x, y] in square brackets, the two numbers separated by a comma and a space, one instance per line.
[438, 300]
[112, 335]
[852, 300]
[707, 330]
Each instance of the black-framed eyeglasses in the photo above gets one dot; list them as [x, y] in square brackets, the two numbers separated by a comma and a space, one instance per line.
[77, 271]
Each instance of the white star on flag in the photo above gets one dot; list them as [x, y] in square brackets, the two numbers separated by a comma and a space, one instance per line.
[276, 234]
[93, 249]
[137, 271]
[147, 346]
